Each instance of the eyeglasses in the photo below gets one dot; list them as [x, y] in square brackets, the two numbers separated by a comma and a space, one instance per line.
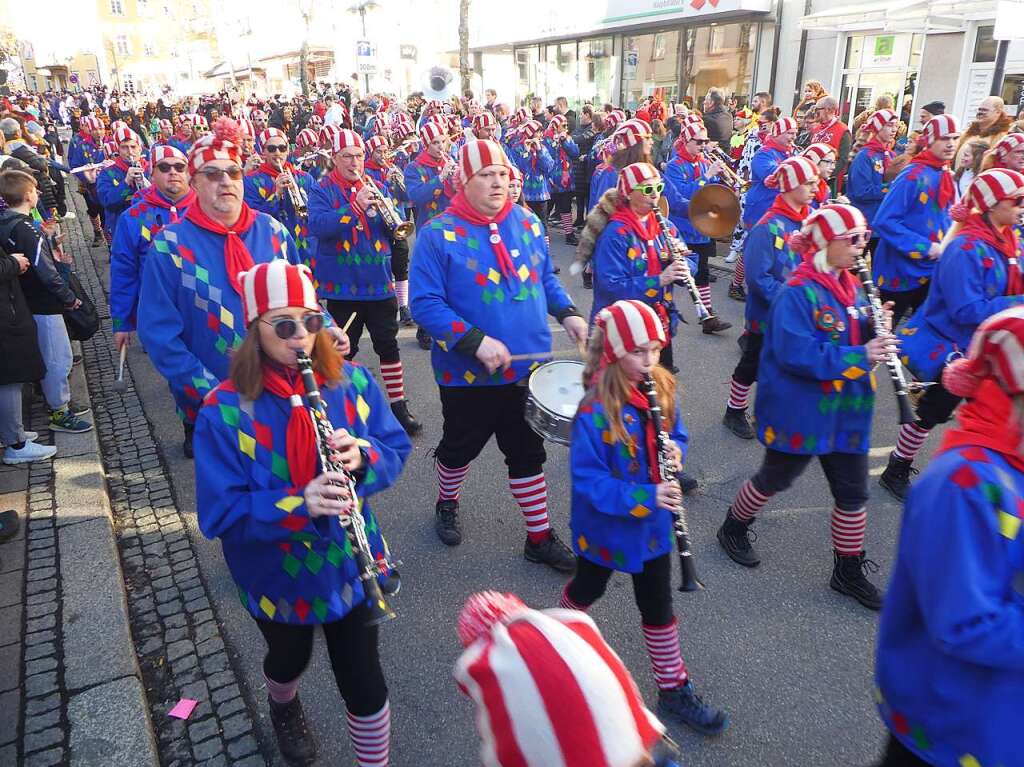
[701, 141]
[286, 327]
[216, 174]
[1018, 202]
[655, 187]
[283, 148]
[166, 167]
[857, 239]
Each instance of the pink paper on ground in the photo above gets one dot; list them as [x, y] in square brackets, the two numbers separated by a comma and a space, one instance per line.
[183, 709]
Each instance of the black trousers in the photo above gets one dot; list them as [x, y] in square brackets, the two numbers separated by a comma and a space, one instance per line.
[540, 207]
[582, 194]
[905, 302]
[704, 251]
[898, 755]
[847, 475]
[652, 587]
[562, 202]
[352, 647]
[400, 259]
[472, 414]
[379, 317]
[936, 406]
[746, 369]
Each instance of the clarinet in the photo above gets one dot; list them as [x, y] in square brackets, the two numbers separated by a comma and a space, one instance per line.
[687, 565]
[355, 528]
[899, 382]
[676, 251]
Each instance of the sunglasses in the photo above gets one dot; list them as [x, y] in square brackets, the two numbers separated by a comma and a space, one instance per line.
[857, 239]
[286, 327]
[166, 167]
[655, 187]
[216, 174]
[283, 148]
[701, 141]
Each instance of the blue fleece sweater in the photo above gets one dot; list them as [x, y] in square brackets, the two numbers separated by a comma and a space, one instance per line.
[114, 194]
[759, 197]
[864, 184]
[563, 155]
[536, 167]
[425, 191]
[683, 179]
[767, 262]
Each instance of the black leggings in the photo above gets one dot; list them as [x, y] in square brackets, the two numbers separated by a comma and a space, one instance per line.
[652, 587]
[704, 251]
[540, 207]
[379, 317]
[746, 369]
[582, 201]
[847, 475]
[352, 647]
[905, 302]
[562, 202]
[400, 259]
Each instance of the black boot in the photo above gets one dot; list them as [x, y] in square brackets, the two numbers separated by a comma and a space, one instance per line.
[714, 325]
[896, 477]
[685, 706]
[737, 293]
[551, 552]
[848, 578]
[423, 338]
[588, 278]
[734, 536]
[572, 239]
[408, 421]
[737, 422]
[97, 239]
[294, 738]
[687, 483]
[186, 446]
[446, 523]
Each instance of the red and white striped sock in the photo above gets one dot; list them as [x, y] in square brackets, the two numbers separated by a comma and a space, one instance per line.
[282, 692]
[749, 501]
[739, 272]
[449, 481]
[739, 394]
[531, 493]
[394, 380]
[371, 737]
[666, 659]
[566, 602]
[402, 292]
[848, 530]
[910, 440]
[566, 219]
[705, 296]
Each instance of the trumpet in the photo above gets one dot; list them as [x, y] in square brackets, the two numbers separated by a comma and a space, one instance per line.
[296, 194]
[450, 166]
[714, 153]
[397, 178]
[677, 250]
[143, 182]
[400, 230]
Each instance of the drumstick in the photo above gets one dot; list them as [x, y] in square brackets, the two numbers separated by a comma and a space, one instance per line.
[545, 355]
[119, 384]
[351, 318]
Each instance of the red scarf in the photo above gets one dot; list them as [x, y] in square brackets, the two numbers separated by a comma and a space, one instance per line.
[272, 171]
[844, 288]
[300, 440]
[86, 137]
[424, 159]
[680, 147]
[647, 231]
[877, 146]
[237, 257]
[947, 187]
[780, 207]
[371, 165]
[988, 419]
[349, 190]
[121, 165]
[821, 196]
[460, 207]
[638, 400]
[563, 159]
[771, 143]
[1004, 241]
[152, 196]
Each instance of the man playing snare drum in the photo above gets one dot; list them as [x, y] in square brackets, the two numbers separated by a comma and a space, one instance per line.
[482, 285]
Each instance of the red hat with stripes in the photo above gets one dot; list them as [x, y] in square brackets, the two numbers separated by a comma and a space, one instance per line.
[635, 175]
[514, 173]
[628, 325]
[557, 123]
[165, 152]
[996, 353]
[548, 689]
[376, 142]
[124, 133]
[784, 125]
[91, 122]
[613, 118]
[268, 133]
[345, 138]
[1008, 143]
[631, 133]
[306, 138]
[276, 284]
[432, 130]
[530, 128]
[166, 125]
[477, 154]
[246, 128]
[198, 121]
[993, 186]
[220, 144]
[327, 134]
[690, 129]
[879, 120]
[484, 120]
[521, 115]
[939, 127]
[315, 122]
[827, 223]
[791, 173]
[818, 152]
[117, 124]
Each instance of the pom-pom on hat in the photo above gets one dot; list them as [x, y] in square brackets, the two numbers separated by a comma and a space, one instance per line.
[477, 154]
[222, 143]
[818, 152]
[783, 125]
[996, 352]
[344, 139]
[828, 223]
[939, 127]
[791, 173]
[165, 152]
[1007, 144]
[276, 284]
[879, 120]
[484, 120]
[631, 133]
[306, 138]
[548, 689]
[628, 325]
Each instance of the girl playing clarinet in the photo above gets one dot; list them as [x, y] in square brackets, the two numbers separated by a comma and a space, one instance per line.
[622, 509]
[262, 490]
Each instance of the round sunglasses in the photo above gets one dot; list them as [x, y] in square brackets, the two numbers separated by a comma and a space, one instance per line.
[656, 187]
[286, 327]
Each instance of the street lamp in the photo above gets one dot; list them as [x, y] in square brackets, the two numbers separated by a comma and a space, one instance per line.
[361, 7]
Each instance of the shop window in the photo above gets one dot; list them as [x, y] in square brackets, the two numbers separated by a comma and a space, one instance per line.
[854, 50]
[721, 56]
[985, 46]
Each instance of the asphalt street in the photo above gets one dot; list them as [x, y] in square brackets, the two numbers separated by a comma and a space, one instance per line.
[790, 660]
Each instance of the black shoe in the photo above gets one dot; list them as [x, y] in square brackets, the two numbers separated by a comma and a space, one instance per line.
[684, 705]
[557, 270]
[735, 537]
[572, 239]
[687, 483]
[896, 477]
[186, 446]
[97, 240]
[848, 578]
[714, 325]
[77, 408]
[712, 277]
[737, 422]
[423, 338]
[405, 317]
[737, 293]
[9, 524]
[446, 523]
[294, 738]
[391, 584]
[408, 421]
[588, 279]
[551, 552]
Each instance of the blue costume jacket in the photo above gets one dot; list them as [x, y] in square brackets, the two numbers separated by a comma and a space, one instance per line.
[815, 391]
[767, 262]
[190, 317]
[683, 179]
[424, 188]
[908, 221]
[615, 520]
[604, 178]
[759, 197]
[562, 179]
[536, 167]
[351, 264]
[968, 286]
[950, 661]
[114, 194]
[864, 184]
[289, 567]
[259, 195]
[456, 289]
[82, 152]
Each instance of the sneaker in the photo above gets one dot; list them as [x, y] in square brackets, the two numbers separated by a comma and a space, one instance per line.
[65, 420]
[684, 705]
[446, 523]
[186, 446]
[69, 216]
[405, 317]
[551, 552]
[848, 577]
[407, 419]
[714, 325]
[736, 421]
[732, 257]
[737, 293]
[294, 738]
[896, 477]
[31, 451]
[9, 524]
[423, 338]
[735, 537]
[77, 408]
[572, 239]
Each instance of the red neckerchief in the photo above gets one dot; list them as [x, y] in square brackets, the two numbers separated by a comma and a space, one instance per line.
[780, 207]
[459, 206]
[844, 288]
[988, 419]
[824, 134]
[771, 143]
[86, 137]
[237, 257]
[1004, 241]
[823, 191]
[563, 158]
[383, 167]
[947, 187]
[647, 231]
[121, 165]
[877, 146]
[424, 159]
[638, 400]
[300, 438]
[680, 147]
[349, 190]
[273, 172]
[153, 196]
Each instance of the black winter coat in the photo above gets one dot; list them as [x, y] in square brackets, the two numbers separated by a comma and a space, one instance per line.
[44, 289]
[20, 360]
[719, 125]
[583, 137]
[40, 170]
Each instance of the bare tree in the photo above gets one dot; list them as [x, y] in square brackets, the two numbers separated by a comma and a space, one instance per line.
[464, 69]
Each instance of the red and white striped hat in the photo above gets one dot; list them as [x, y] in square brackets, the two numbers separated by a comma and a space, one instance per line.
[222, 143]
[818, 152]
[246, 128]
[166, 125]
[939, 127]
[530, 128]
[514, 174]
[477, 154]
[628, 325]
[345, 138]
[827, 223]
[784, 125]
[521, 115]
[274, 285]
[613, 118]
[691, 129]
[484, 120]
[557, 123]
[635, 175]
[91, 122]
[879, 120]
[631, 133]
[690, 117]
[1007, 144]
[993, 186]
[198, 121]
[791, 173]
[376, 142]
[268, 133]
[165, 152]
[109, 148]
[548, 689]
[124, 133]
[432, 131]
[117, 124]
[315, 122]
[327, 134]
[996, 353]
[306, 138]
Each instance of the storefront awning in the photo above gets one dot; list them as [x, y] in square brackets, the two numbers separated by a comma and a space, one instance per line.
[901, 16]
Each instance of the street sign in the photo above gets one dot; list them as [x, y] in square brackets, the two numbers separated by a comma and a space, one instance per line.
[408, 52]
[73, 78]
[366, 57]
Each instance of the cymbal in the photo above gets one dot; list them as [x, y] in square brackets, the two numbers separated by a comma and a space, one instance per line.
[714, 210]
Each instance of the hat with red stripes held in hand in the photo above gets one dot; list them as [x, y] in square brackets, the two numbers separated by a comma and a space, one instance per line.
[996, 353]
[222, 143]
[1008, 143]
[879, 120]
[818, 152]
[165, 152]
[344, 139]
[547, 688]
[939, 127]
[791, 173]
[635, 175]
[274, 285]
[478, 154]
[828, 223]
[269, 133]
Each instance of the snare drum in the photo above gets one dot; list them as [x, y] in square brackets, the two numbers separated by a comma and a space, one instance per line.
[555, 391]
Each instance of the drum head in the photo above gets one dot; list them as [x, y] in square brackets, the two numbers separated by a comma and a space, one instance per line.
[558, 387]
